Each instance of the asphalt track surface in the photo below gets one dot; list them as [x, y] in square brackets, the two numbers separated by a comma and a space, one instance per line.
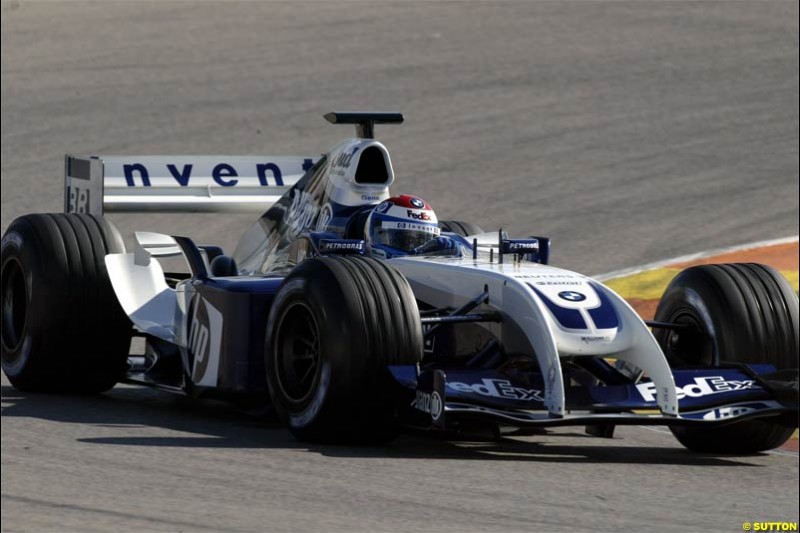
[629, 132]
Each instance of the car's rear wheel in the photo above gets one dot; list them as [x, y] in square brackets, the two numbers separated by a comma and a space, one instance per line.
[733, 313]
[460, 227]
[63, 329]
[335, 325]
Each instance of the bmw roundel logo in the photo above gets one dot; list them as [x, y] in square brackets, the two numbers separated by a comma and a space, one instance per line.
[383, 207]
[572, 296]
[416, 202]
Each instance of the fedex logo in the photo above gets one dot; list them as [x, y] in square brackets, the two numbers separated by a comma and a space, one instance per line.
[422, 215]
[700, 387]
[497, 388]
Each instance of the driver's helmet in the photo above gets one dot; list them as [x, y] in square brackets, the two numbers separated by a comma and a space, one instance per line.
[400, 226]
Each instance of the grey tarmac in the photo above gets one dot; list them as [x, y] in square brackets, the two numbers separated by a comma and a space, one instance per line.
[629, 132]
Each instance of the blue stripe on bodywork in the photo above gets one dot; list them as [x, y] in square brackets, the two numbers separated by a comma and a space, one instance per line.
[569, 318]
[605, 316]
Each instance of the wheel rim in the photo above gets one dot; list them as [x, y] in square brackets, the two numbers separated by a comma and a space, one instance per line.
[297, 358]
[15, 304]
[692, 345]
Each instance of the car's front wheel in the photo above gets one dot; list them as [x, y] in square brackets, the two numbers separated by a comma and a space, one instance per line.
[731, 313]
[334, 327]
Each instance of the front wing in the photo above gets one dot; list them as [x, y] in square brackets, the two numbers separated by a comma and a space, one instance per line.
[444, 398]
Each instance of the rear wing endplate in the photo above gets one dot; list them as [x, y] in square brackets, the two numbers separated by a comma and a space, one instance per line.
[175, 184]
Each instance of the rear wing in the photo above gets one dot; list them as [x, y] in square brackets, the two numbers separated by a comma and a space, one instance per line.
[175, 184]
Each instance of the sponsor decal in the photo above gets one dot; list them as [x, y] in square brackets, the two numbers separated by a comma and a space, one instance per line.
[344, 159]
[427, 228]
[341, 246]
[302, 212]
[595, 338]
[205, 339]
[416, 202]
[429, 402]
[497, 388]
[418, 215]
[383, 207]
[701, 387]
[727, 412]
[222, 174]
[572, 296]
[325, 217]
[340, 163]
[572, 283]
[370, 197]
[521, 247]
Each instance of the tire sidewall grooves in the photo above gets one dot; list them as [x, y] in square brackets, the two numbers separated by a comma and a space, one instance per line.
[363, 293]
[749, 306]
[78, 339]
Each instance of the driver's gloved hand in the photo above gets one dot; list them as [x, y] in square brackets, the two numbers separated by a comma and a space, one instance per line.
[437, 244]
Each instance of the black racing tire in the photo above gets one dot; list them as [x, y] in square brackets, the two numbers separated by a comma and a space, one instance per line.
[63, 329]
[334, 326]
[459, 227]
[737, 313]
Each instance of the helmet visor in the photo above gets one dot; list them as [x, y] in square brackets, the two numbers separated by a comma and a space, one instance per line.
[404, 236]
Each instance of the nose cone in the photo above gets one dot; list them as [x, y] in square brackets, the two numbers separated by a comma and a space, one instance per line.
[585, 317]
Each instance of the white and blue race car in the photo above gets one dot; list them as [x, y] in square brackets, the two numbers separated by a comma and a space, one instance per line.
[355, 312]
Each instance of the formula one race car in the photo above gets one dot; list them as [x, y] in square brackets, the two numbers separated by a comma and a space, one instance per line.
[357, 312]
